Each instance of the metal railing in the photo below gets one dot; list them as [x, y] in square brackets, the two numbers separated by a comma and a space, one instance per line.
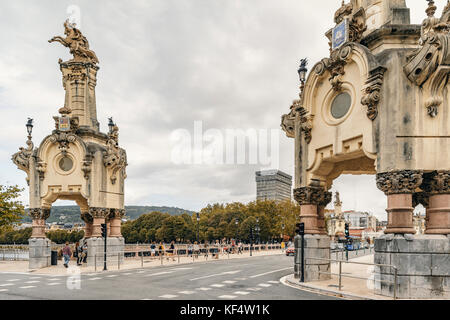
[14, 255]
[340, 275]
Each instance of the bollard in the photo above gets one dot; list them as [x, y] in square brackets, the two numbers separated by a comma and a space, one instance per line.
[142, 259]
[340, 275]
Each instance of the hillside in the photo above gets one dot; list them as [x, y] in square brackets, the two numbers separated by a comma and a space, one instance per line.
[72, 213]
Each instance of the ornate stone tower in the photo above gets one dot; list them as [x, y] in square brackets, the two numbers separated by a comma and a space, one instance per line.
[76, 161]
[379, 104]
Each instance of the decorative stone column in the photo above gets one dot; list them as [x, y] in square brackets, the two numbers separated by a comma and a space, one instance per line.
[39, 216]
[88, 220]
[115, 218]
[437, 185]
[99, 218]
[399, 186]
[312, 201]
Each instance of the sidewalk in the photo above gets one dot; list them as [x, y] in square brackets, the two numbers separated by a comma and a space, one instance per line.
[355, 289]
[128, 263]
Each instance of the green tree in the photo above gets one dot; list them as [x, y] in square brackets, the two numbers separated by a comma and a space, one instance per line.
[11, 210]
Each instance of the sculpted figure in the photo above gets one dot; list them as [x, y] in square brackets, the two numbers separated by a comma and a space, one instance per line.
[77, 43]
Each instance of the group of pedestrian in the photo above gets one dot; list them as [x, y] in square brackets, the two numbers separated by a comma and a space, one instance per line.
[80, 253]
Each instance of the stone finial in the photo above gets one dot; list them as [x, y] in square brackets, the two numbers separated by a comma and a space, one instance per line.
[431, 10]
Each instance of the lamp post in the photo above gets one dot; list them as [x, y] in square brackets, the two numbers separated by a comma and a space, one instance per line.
[302, 71]
[237, 227]
[111, 125]
[198, 227]
[29, 126]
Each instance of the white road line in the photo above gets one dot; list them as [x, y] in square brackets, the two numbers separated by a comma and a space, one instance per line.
[182, 269]
[168, 296]
[140, 272]
[158, 274]
[274, 282]
[94, 278]
[242, 293]
[112, 276]
[3, 290]
[229, 282]
[6, 285]
[216, 275]
[53, 284]
[34, 278]
[127, 274]
[55, 279]
[263, 274]
[203, 289]
[227, 297]
[254, 289]
[186, 292]
[13, 280]
[241, 279]
[30, 282]
[265, 285]
[27, 287]
[217, 285]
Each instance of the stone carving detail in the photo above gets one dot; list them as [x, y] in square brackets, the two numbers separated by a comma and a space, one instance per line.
[429, 66]
[116, 213]
[87, 166]
[22, 158]
[437, 182]
[288, 124]
[421, 198]
[115, 157]
[87, 217]
[335, 65]
[399, 182]
[312, 195]
[39, 214]
[77, 43]
[63, 139]
[98, 213]
[372, 92]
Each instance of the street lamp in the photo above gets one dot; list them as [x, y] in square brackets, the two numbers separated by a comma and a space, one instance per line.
[29, 126]
[198, 227]
[111, 125]
[302, 71]
[237, 224]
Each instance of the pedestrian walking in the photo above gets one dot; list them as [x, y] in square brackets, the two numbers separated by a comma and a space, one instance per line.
[153, 249]
[67, 253]
[78, 253]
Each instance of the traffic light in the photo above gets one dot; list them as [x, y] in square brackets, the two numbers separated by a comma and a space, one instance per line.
[300, 228]
[104, 234]
[347, 230]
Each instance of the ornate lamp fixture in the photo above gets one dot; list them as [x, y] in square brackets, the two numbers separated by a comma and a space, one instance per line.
[302, 71]
[111, 125]
[29, 126]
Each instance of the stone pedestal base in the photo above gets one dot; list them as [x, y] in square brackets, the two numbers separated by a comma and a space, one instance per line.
[423, 264]
[96, 246]
[316, 246]
[40, 253]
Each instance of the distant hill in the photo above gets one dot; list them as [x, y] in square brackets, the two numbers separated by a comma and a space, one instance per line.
[71, 214]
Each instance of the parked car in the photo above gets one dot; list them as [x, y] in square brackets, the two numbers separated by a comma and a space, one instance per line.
[290, 251]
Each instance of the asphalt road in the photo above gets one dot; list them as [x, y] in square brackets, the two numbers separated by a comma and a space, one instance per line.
[256, 278]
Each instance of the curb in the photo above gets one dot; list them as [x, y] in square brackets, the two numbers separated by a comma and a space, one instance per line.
[293, 283]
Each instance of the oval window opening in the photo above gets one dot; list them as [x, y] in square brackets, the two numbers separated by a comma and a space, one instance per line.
[340, 106]
[66, 164]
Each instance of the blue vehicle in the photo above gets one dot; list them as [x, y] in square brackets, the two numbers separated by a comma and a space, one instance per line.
[353, 244]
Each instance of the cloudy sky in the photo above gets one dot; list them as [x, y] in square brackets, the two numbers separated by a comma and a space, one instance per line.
[164, 65]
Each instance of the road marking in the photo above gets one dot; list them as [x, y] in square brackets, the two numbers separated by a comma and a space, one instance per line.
[241, 279]
[158, 274]
[203, 289]
[54, 279]
[182, 269]
[53, 284]
[31, 282]
[6, 285]
[127, 274]
[140, 272]
[186, 292]
[254, 289]
[217, 285]
[27, 287]
[112, 276]
[265, 285]
[274, 282]
[227, 297]
[263, 274]
[242, 293]
[216, 275]
[13, 280]
[3, 290]
[94, 278]
[34, 278]
[168, 296]
[229, 282]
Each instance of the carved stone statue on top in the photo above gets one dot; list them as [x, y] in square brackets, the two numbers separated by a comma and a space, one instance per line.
[77, 43]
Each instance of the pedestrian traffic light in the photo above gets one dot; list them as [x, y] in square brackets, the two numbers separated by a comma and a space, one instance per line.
[104, 230]
[347, 230]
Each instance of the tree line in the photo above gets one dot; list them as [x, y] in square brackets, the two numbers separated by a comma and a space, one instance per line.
[217, 222]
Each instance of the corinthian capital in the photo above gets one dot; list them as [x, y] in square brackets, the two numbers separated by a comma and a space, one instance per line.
[437, 182]
[312, 195]
[399, 182]
[39, 214]
[98, 213]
